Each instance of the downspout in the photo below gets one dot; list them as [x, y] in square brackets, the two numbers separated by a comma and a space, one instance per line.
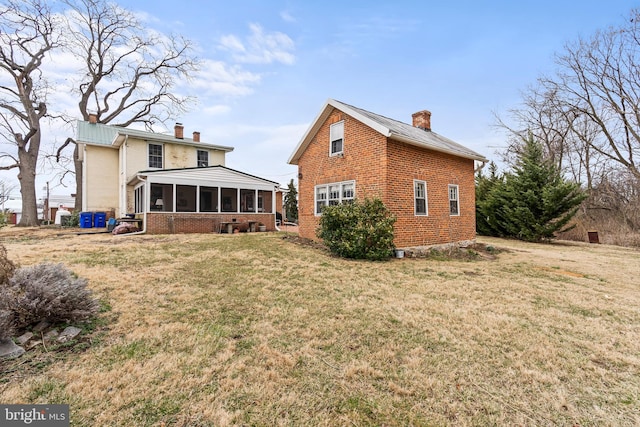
[84, 178]
[482, 165]
[123, 184]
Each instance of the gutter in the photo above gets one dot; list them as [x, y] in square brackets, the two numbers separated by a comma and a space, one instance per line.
[482, 165]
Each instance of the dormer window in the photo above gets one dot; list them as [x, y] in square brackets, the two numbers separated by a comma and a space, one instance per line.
[203, 158]
[336, 139]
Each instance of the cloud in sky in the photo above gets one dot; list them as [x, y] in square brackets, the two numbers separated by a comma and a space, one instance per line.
[218, 78]
[260, 47]
[287, 17]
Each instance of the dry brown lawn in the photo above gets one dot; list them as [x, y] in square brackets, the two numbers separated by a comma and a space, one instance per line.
[252, 329]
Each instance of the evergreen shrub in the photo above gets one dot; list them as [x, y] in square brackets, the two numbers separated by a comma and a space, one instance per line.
[360, 229]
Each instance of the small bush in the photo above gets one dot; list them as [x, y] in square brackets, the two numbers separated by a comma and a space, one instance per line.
[361, 230]
[7, 267]
[74, 219]
[4, 218]
[48, 292]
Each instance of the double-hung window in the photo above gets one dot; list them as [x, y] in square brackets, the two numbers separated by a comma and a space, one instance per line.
[454, 208]
[334, 194]
[321, 198]
[336, 139]
[155, 156]
[420, 197]
[203, 158]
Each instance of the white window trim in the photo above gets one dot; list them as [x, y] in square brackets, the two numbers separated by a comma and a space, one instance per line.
[341, 152]
[426, 198]
[198, 151]
[457, 199]
[149, 144]
[326, 187]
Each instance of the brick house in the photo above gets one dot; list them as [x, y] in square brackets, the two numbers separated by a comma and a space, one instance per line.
[425, 179]
[171, 183]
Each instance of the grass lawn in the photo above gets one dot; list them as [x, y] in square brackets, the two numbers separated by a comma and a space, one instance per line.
[252, 329]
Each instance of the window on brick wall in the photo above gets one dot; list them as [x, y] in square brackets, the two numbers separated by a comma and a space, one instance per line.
[454, 208]
[420, 197]
[333, 194]
[336, 138]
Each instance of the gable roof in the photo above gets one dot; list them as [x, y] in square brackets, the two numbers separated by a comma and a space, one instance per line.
[390, 128]
[114, 136]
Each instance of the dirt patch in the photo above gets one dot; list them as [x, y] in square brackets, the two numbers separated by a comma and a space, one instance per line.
[302, 241]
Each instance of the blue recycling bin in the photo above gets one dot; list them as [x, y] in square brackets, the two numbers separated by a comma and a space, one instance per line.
[86, 219]
[99, 219]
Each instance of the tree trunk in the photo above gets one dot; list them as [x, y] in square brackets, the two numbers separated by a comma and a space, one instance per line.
[78, 167]
[27, 177]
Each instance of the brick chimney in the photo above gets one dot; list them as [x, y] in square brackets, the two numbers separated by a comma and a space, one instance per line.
[179, 131]
[422, 120]
[196, 137]
[93, 118]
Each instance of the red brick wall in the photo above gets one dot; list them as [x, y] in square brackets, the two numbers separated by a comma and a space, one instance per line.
[169, 223]
[438, 170]
[386, 169]
[364, 160]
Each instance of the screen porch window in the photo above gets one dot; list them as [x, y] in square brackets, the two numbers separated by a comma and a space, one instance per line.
[155, 156]
[203, 158]
[337, 138]
[420, 197]
[454, 209]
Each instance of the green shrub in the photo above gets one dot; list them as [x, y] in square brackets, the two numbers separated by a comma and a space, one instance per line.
[48, 292]
[74, 219]
[4, 218]
[361, 229]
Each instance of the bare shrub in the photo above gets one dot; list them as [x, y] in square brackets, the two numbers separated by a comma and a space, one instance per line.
[48, 292]
[7, 267]
[7, 325]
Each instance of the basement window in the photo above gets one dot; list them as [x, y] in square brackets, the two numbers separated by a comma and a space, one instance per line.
[336, 139]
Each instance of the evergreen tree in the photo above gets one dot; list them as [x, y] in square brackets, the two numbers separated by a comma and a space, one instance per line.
[531, 203]
[291, 202]
[487, 187]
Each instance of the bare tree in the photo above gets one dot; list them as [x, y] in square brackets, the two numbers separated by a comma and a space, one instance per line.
[129, 72]
[28, 33]
[600, 79]
[5, 192]
[588, 115]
